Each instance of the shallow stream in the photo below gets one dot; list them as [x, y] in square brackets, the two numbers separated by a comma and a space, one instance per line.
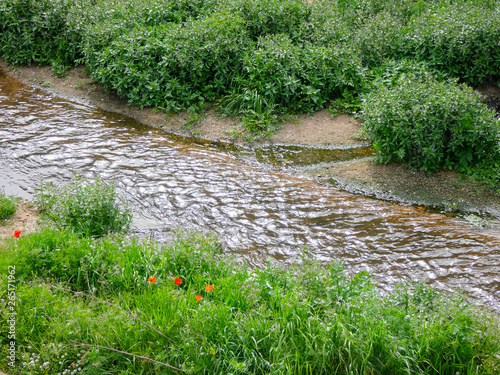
[259, 214]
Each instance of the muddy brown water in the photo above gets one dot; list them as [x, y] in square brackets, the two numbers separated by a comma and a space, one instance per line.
[261, 215]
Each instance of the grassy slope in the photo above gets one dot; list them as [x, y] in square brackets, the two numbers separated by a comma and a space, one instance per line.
[304, 319]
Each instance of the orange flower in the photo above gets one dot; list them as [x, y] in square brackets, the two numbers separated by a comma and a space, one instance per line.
[152, 279]
[209, 288]
[17, 233]
[198, 297]
[178, 281]
[420, 208]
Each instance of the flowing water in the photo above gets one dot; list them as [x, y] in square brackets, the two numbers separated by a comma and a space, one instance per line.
[259, 214]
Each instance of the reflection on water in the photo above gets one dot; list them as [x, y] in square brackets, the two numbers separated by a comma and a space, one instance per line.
[260, 215]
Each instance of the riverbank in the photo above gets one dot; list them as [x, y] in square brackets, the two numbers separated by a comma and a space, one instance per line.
[445, 190]
[111, 305]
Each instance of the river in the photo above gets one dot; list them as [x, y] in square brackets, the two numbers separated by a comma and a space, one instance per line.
[259, 214]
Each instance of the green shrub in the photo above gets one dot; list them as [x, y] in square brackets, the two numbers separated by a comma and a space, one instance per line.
[36, 31]
[460, 40]
[359, 12]
[487, 171]
[107, 20]
[179, 54]
[430, 125]
[324, 27]
[7, 206]
[269, 17]
[293, 78]
[88, 207]
[379, 39]
[174, 67]
[390, 73]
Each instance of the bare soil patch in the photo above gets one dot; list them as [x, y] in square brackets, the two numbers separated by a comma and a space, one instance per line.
[25, 219]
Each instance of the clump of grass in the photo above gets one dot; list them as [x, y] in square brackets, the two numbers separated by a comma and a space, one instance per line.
[7, 206]
[143, 307]
[90, 207]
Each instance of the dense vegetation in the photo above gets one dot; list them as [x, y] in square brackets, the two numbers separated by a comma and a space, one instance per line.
[429, 125]
[113, 305]
[263, 59]
[283, 54]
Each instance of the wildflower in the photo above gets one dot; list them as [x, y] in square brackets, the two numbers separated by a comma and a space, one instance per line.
[17, 233]
[420, 208]
[178, 281]
[198, 297]
[152, 279]
[209, 288]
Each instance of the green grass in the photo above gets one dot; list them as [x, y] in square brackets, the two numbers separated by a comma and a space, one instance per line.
[88, 302]
[7, 206]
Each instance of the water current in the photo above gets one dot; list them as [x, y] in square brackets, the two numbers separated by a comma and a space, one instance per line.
[259, 214]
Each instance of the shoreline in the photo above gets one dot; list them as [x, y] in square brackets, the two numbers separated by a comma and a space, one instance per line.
[445, 191]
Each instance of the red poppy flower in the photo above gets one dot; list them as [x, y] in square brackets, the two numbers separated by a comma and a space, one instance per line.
[17, 233]
[152, 279]
[198, 297]
[178, 281]
[209, 288]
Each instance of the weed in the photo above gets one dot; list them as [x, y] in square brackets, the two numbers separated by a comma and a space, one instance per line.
[7, 206]
[89, 207]
[47, 84]
[59, 69]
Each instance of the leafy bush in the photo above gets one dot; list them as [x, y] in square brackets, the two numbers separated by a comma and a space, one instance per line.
[88, 207]
[324, 27]
[460, 40]
[358, 12]
[7, 206]
[293, 78]
[269, 17]
[36, 31]
[105, 21]
[390, 73]
[379, 39]
[429, 125]
[173, 67]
